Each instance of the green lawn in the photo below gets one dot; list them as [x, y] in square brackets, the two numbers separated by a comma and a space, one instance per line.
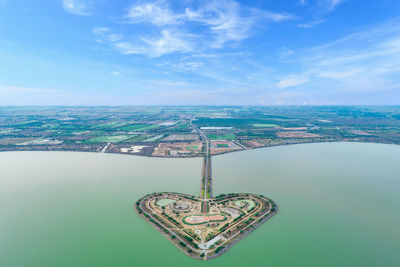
[192, 147]
[228, 136]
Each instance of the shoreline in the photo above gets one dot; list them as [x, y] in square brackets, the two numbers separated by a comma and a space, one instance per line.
[198, 156]
[227, 245]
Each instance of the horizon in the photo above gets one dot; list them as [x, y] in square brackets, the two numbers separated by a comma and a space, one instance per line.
[208, 105]
[199, 53]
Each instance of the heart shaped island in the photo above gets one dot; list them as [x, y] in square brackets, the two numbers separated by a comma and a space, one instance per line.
[205, 227]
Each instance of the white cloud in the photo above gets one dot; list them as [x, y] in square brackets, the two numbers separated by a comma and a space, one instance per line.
[129, 48]
[169, 83]
[166, 43]
[310, 24]
[217, 23]
[329, 5]
[227, 25]
[106, 34]
[115, 37]
[100, 30]
[340, 74]
[302, 3]
[157, 13]
[285, 52]
[277, 17]
[332, 4]
[291, 81]
[229, 21]
[366, 61]
[77, 7]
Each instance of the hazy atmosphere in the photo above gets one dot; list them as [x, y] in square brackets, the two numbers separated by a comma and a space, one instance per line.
[88, 52]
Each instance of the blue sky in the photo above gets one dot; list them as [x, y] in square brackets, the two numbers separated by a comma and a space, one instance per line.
[222, 52]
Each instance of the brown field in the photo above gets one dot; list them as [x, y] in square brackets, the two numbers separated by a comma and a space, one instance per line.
[178, 149]
[295, 128]
[204, 219]
[222, 146]
[254, 143]
[297, 134]
[180, 137]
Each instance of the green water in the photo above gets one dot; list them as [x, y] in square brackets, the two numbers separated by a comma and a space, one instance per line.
[339, 205]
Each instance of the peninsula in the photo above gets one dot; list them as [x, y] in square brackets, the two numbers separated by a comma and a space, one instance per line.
[204, 227]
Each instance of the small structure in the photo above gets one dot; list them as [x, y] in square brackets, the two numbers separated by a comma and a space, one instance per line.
[209, 243]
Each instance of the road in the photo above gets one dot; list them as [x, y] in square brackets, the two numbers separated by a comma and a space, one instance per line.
[206, 182]
[105, 148]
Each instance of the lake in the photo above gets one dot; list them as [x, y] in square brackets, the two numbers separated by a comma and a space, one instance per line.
[338, 204]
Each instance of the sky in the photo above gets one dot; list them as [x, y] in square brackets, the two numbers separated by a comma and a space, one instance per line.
[195, 52]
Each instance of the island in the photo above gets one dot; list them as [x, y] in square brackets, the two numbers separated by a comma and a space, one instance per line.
[205, 227]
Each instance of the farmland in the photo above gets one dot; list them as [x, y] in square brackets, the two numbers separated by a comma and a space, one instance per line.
[171, 129]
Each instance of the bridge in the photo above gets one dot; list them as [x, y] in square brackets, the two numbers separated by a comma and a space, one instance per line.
[206, 174]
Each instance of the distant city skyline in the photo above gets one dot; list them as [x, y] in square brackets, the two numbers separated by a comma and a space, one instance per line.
[190, 52]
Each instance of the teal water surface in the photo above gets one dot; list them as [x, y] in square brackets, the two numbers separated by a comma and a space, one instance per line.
[338, 203]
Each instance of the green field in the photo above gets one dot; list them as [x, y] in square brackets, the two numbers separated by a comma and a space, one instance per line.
[192, 147]
[228, 136]
[264, 125]
[154, 138]
[108, 139]
[138, 138]
[109, 125]
[140, 127]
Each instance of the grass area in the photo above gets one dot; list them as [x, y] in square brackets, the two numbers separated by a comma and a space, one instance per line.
[164, 202]
[228, 136]
[192, 147]
[264, 125]
[26, 122]
[110, 125]
[222, 145]
[108, 139]
[140, 127]
[154, 138]
[137, 138]
[241, 123]
[181, 128]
